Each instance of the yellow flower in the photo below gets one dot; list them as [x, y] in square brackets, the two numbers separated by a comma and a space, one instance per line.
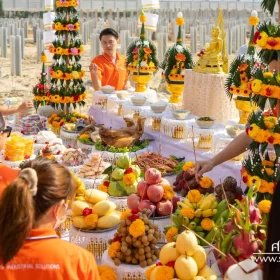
[168, 192]
[253, 21]
[81, 48]
[268, 74]
[103, 188]
[149, 270]
[270, 187]
[164, 273]
[173, 231]
[187, 212]
[114, 248]
[267, 163]
[206, 182]
[125, 214]
[180, 21]
[43, 57]
[262, 40]
[137, 228]
[270, 122]
[106, 273]
[84, 136]
[91, 220]
[143, 18]
[188, 165]
[194, 196]
[57, 26]
[75, 75]
[256, 85]
[207, 224]
[129, 179]
[254, 181]
[253, 131]
[265, 206]
[269, 171]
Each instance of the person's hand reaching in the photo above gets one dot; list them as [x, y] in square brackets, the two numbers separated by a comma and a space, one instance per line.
[25, 106]
[202, 167]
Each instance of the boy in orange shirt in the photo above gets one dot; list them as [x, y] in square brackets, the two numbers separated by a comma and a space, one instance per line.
[109, 68]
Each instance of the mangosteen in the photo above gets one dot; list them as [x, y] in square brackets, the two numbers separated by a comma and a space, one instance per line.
[230, 184]
[230, 197]
[189, 174]
[219, 190]
[239, 190]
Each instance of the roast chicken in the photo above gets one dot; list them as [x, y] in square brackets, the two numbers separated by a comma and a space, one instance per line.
[123, 137]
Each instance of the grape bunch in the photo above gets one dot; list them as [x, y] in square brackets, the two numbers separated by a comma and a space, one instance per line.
[141, 250]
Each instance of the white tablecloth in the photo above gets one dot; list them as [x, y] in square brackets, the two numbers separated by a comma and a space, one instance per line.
[175, 147]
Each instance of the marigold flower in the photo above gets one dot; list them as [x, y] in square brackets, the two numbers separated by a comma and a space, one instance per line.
[125, 214]
[103, 188]
[173, 231]
[207, 224]
[194, 196]
[129, 179]
[164, 272]
[262, 39]
[137, 228]
[267, 163]
[168, 192]
[187, 212]
[206, 182]
[114, 248]
[148, 50]
[91, 220]
[143, 18]
[264, 206]
[149, 270]
[254, 181]
[243, 67]
[253, 21]
[270, 121]
[256, 85]
[180, 57]
[268, 74]
[83, 136]
[180, 21]
[188, 165]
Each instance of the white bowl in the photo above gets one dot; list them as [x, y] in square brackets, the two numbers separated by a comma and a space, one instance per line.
[180, 114]
[205, 123]
[158, 107]
[122, 94]
[107, 89]
[234, 130]
[138, 100]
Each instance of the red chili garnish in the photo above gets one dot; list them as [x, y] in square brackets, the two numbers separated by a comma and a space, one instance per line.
[87, 211]
[106, 184]
[128, 171]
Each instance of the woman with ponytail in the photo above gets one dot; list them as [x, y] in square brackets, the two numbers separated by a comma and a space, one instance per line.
[31, 208]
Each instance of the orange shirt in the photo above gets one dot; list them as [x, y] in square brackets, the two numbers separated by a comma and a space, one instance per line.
[7, 175]
[46, 257]
[110, 73]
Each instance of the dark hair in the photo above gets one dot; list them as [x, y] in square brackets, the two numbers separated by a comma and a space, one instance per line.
[271, 270]
[109, 31]
[21, 206]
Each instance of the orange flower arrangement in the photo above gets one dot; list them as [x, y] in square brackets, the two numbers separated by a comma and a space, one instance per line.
[147, 50]
[243, 67]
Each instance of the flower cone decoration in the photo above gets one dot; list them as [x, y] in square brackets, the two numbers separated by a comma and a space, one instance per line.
[40, 91]
[142, 59]
[66, 72]
[177, 59]
[240, 73]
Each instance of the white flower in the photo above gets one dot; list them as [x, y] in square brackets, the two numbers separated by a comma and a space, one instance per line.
[254, 13]
[146, 43]
[138, 44]
[179, 15]
[179, 48]
[143, 64]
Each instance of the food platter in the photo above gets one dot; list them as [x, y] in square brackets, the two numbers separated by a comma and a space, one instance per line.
[97, 230]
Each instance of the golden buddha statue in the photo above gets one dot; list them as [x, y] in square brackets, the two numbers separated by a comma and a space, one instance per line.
[212, 57]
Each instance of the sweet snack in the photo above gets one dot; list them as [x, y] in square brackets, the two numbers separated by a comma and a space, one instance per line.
[47, 153]
[93, 168]
[18, 148]
[56, 148]
[73, 157]
[31, 125]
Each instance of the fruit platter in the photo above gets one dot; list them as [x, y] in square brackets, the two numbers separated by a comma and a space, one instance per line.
[122, 178]
[155, 194]
[96, 213]
[186, 181]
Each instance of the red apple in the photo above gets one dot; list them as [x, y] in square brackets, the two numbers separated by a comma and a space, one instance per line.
[142, 189]
[147, 204]
[155, 192]
[133, 201]
[152, 176]
[164, 208]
